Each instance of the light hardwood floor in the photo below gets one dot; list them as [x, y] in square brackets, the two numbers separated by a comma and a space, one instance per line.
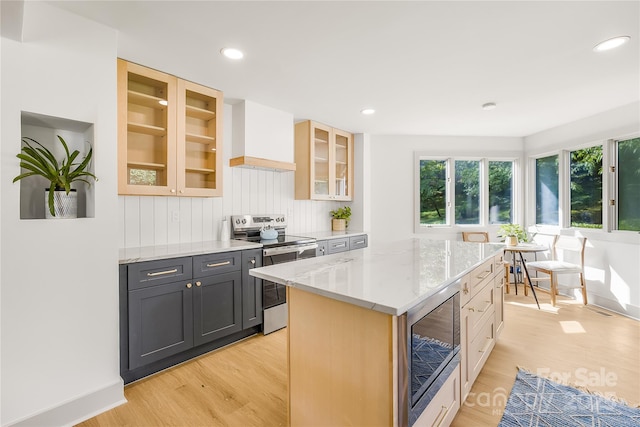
[245, 384]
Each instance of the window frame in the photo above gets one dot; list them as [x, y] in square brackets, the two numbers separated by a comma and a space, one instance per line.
[450, 224]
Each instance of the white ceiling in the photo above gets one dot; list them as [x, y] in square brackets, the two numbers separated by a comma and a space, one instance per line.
[426, 67]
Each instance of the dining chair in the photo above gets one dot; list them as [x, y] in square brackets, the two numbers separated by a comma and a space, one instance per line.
[561, 249]
[483, 237]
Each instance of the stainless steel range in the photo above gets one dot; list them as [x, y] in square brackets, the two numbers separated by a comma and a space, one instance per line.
[283, 248]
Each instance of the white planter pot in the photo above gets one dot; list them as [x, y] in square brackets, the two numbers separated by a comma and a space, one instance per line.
[65, 205]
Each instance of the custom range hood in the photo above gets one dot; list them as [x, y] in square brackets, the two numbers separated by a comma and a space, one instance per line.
[262, 138]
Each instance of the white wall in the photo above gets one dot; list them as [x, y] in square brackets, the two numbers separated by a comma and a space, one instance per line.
[59, 281]
[393, 176]
[146, 221]
[612, 259]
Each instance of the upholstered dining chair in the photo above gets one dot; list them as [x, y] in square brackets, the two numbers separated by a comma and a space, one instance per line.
[560, 249]
[483, 237]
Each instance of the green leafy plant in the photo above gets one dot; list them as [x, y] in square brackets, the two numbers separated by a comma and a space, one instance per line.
[38, 160]
[342, 213]
[509, 230]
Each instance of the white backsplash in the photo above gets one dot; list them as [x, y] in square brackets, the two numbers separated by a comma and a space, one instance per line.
[148, 220]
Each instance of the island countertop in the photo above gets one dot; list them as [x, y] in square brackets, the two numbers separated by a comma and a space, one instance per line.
[390, 278]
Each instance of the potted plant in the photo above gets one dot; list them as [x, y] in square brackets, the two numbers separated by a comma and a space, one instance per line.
[341, 218]
[60, 197]
[513, 233]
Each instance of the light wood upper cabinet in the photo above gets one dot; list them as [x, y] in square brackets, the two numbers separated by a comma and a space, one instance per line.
[324, 162]
[168, 135]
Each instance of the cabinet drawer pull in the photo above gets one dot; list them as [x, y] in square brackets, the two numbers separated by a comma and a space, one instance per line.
[198, 284]
[189, 285]
[482, 276]
[340, 245]
[219, 264]
[160, 273]
[359, 242]
[442, 415]
[486, 346]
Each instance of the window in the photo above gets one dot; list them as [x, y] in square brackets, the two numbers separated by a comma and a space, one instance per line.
[628, 173]
[585, 185]
[500, 192]
[547, 190]
[433, 192]
[467, 191]
[462, 200]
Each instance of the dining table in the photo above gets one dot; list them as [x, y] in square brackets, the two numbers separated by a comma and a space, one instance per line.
[519, 249]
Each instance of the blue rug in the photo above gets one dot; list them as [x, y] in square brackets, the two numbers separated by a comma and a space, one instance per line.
[539, 402]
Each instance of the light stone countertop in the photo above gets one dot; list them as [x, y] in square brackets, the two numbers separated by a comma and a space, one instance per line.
[390, 278]
[329, 234]
[150, 253]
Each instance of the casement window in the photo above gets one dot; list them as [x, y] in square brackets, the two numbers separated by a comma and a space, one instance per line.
[626, 195]
[585, 187]
[464, 191]
[547, 190]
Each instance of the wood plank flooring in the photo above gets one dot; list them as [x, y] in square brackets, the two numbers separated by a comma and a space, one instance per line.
[245, 384]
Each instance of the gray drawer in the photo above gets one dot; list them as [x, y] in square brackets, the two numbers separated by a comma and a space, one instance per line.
[160, 272]
[337, 245]
[207, 265]
[358, 242]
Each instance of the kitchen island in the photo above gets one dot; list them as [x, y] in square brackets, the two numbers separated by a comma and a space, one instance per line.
[348, 321]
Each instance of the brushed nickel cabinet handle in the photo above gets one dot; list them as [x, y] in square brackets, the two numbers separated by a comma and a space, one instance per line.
[160, 273]
[359, 242]
[481, 276]
[219, 264]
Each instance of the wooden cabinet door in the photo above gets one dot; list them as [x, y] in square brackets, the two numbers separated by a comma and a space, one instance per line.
[199, 140]
[251, 289]
[146, 131]
[160, 322]
[217, 306]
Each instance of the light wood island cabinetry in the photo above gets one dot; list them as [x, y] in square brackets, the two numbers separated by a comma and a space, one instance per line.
[169, 134]
[324, 162]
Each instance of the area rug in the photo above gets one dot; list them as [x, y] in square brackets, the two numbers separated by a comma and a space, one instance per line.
[536, 401]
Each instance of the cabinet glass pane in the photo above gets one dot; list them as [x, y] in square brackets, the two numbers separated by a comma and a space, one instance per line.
[321, 162]
[146, 130]
[200, 141]
[341, 157]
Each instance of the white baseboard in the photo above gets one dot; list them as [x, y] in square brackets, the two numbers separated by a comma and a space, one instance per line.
[77, 410]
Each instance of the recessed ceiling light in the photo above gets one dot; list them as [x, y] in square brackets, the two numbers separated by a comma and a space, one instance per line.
[489, 106]
[367, 111]
[232, 53]
[611, 43]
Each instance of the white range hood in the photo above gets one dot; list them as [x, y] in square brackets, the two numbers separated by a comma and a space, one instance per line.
[262, 138]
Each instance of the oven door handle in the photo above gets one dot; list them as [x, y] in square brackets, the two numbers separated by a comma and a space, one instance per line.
[289, 249]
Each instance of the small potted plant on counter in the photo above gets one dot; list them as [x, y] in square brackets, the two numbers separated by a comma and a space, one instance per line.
[341, 218]
[513, 233]
[38, 160]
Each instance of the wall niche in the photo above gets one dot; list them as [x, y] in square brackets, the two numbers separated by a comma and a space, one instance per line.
[78, 136]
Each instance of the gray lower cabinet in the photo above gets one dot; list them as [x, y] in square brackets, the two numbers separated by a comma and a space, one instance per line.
[217, 306]
[176, 309]
[160, 322]
[342, 244]
[251, 289]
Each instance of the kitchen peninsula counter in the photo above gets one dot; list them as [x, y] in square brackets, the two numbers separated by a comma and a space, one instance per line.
[347, 328]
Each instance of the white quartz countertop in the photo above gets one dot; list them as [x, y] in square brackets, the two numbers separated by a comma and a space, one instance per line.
[328, 235]
[150, 253]
[390, 278]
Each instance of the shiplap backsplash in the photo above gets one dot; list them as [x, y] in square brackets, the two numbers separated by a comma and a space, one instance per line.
[148, 221]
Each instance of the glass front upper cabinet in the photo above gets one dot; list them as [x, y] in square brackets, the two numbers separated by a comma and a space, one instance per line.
[168, 135]
[324, 162]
